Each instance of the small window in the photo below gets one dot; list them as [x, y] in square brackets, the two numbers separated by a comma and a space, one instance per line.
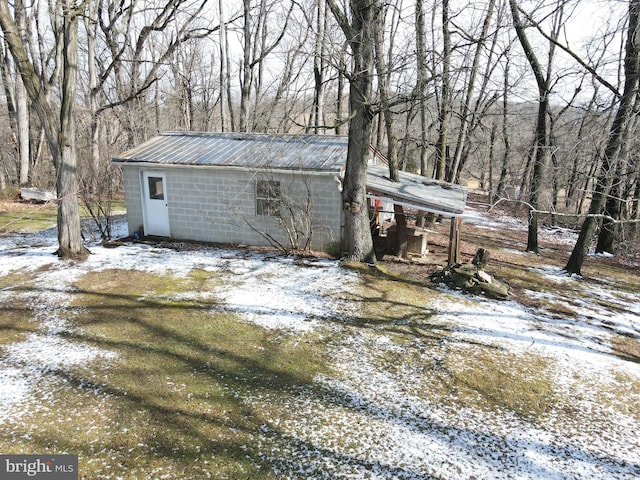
[156, 189]
[268, 198]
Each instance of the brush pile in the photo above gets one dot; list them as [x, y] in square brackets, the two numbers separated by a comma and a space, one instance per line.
[471, 277]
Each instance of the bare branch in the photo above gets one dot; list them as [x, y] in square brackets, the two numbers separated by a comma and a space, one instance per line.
[573, 55]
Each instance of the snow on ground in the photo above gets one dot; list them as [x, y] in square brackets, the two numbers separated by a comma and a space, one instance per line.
[272, 291]
[367, 421]
[370, 424]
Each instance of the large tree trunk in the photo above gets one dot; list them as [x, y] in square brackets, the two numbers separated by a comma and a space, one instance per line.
[361, 37]
[614, 144]
[59, 130]
[22, 106]
[69, 232]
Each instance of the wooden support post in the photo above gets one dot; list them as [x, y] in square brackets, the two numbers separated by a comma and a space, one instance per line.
[454, 241]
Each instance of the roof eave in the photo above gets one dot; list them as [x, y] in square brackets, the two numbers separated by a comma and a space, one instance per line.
[157, 165]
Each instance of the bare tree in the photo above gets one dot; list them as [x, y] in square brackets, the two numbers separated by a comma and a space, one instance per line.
[59, 123]
[615, 143]
[445, 108]
[360, 33]
[614, 206]
[259, 41]
[319, 68]
[421, 82]
[470, 108]
[501, 188]
[22, 106]
[226, 104]
[541, 143]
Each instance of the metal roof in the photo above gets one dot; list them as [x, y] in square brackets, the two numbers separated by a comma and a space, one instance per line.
[417, 192]
[249, 150]
[306, 152]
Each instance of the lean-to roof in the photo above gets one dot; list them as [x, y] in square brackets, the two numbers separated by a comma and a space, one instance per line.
[416, 192]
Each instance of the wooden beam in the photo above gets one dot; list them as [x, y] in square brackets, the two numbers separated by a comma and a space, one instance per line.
[454, 241]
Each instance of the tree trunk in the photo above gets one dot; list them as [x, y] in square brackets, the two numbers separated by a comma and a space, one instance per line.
[90, 27]
[223, 66]
[69, 231]
[245, 87]
[609, 229]
[541, 141]
[501, 188]
[536, 178]
[10, 99]
[613, 208]
[388, 121]
[22, 110]
[421, 53]
[614, 144]
[635, 209]
[59, 130]
[22, 106]
[467, 111]
[319, 69]
[444, 114]
[492, 152]
[361, 36]
[225, 72]
[340, 91]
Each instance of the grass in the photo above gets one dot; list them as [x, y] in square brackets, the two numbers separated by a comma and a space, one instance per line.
[15, 316]
[183, 397]
[28, 217]
[478, 376]
[173, 401]
[494, 379]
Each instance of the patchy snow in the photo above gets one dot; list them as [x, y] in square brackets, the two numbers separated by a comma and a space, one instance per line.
[270, 290]
[369, 424]
[369, 420]
[281, 294]
[492, 220]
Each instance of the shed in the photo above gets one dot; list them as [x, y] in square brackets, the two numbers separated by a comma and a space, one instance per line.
[255, 189]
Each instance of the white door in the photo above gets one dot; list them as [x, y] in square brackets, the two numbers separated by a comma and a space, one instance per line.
[156, 209]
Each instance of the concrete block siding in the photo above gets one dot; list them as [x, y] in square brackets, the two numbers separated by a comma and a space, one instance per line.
[218, 204]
